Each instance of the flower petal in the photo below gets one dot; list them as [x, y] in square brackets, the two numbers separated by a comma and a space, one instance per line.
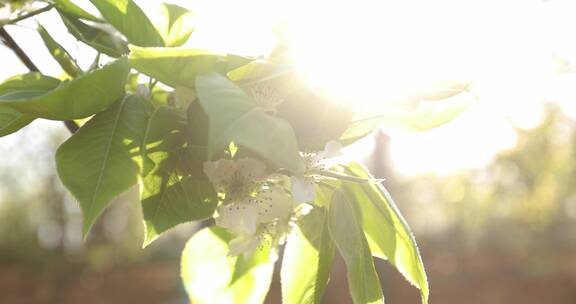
[238, 217]
[302, 189]
[251, 168]
[272, 204]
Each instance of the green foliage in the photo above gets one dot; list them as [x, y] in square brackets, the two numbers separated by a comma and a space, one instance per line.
[130, 20]
[99, 162]
[175, 25]
[102, 40]
[168, 199]
[79, 98]
[222, 137]
[179, 67]
[68, 7]
[307, 261]
[428, 115]
[59, 53]
[346, 232]
[11, 119]
[245, 124]
[210, 276]
[388, 234]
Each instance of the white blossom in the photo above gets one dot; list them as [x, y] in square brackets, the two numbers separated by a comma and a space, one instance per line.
[234, 176]
[302, 184]
[255, 208]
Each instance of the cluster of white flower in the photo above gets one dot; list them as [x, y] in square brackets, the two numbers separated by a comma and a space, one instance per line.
[255, 205]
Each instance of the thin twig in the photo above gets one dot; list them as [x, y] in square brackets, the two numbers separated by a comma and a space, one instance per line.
[11, 44]
[31, 14]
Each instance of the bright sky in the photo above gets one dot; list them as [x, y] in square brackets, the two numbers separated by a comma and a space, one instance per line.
[372, 52]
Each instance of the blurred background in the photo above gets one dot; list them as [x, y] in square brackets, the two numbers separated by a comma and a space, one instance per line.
[490, 196]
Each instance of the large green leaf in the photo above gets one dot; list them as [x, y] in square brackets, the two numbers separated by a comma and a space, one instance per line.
[210, 276]
[167, 199]
[69, 8]
[179, 66]
[307, 261]
[99, 161]
[233, 116]
[89, 94]
[127, 17]
[59, 53]
[345, 227]
[387, 232]
[102, 39]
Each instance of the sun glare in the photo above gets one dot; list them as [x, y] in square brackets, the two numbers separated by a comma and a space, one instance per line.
[373, 55]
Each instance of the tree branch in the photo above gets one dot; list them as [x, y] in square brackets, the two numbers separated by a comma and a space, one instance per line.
[31, 14]
[11, 44]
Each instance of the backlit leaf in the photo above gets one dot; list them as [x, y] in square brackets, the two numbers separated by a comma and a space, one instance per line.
[99, 161]
[31, 84]
[68, 7]
[233, 116]
[168, 199]
[84, 96]
[129, 19]
[345, 227]
[101, 38]
[210, 276]
[387, 232]
[175, 25]
[179, 66]
[307, 261]
[59, 53]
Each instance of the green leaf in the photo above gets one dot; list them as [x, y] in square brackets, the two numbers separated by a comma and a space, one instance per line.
[210, 276]
[443, 90]
[12, 120]
[258, 71]
[102, 39]
[428, 115]
[99, 161]
[69, 8]
[307, 261]
[167, 199]
[233, 116]
[176, 24]
[59, 53]
[386, 230]
[84, 96]
[31, 84]
[360, 128]
[130, 20]
[344, 225]
[178, 66]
